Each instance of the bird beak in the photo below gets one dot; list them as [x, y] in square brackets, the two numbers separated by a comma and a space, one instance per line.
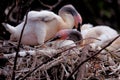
[78, 21]
[77, 17]
[54, 38]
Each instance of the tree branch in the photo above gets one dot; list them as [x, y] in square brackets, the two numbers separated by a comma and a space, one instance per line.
[17, 51]
[50, 6]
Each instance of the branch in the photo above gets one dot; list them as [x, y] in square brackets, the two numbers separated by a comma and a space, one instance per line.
[17, 51]
[10, 11]
[50, 6]
[98, 52]
[82, 70]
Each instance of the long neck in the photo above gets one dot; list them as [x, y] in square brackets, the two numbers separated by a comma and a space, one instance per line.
[68, 21]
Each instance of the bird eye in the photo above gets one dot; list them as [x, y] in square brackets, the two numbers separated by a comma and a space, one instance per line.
[59, 36]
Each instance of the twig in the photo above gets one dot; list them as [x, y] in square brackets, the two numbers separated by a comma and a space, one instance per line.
[81, 71]
[47, 76]
[46, 62]
[10, 11]
[51, 63]
[91, 57]
[19, 14]
[50, 6]
[54, 62]
[15, 4]
[65, 70]
[17, 51]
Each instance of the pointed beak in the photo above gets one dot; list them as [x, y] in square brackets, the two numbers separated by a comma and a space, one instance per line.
[77, 17]
[78, 21]
[61, 35]
[54, 38]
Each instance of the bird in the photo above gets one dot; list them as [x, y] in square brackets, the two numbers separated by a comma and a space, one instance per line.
[43, 25]
[96, 36]
[114, 46]
[59, 44]
[67, 37]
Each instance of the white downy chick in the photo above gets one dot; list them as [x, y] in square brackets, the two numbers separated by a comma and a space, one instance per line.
[101, 32]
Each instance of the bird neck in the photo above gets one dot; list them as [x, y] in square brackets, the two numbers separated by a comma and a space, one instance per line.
[68, 21]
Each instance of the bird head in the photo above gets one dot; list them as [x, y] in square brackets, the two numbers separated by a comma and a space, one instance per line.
[69, 9]
[68, 34]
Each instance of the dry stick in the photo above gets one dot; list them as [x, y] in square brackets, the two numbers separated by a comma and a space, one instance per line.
[10, 11]
[82, 71]
[50, 6]
[17, 51]
[91, 57]
[46, 62]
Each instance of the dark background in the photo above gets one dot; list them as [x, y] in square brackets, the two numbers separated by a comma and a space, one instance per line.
[96, 12]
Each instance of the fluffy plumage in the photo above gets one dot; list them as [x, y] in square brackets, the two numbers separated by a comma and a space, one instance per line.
[43, 25]
[101, 32]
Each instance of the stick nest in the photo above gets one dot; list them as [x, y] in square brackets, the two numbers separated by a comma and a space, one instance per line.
[101, 67]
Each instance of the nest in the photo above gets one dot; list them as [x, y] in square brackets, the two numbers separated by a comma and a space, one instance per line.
[58, 64]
